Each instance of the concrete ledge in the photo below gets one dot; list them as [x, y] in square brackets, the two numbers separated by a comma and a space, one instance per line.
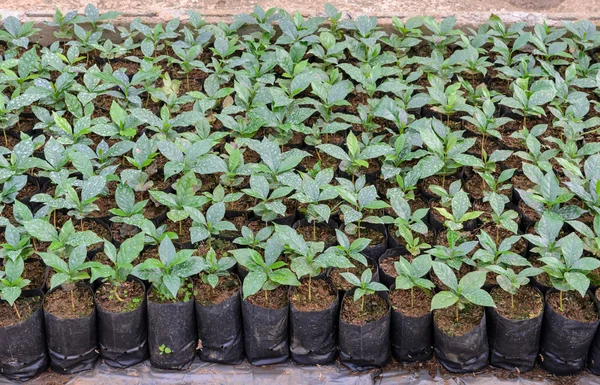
[469, 13]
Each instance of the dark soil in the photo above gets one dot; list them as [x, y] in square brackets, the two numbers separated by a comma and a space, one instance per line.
[387, 265]
[401, 302]
[35, 271]
[340, 282]
[59, 302]
[322, 295]
[270, 299]
[26, 306]
[375, 236]
[220, 246]
[184, 234]
[468, 318]
[574, 306]
[324, 233]
[205, 295]
[131, 294]
[352, 312]
[528, 303]
[122, 231]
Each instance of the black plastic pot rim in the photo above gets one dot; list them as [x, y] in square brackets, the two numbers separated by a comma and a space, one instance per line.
[130, 278]
[378, 293]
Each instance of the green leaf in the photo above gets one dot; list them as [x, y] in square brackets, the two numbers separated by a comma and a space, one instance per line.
[445, 274]
[253, 282]
[578, 281]
[479, 297]
[443, 299]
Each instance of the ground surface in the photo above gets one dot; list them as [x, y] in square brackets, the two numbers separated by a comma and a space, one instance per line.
[468, 12]
[290, 374]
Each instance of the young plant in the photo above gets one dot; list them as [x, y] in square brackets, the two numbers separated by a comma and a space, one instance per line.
[265, 271]
[254, 241]
[351, 251]
[12, 282]
[169, 273]
[359, 198]
[363, 286]
[511, 282]
[460, 294]
[185, 196]
[269, 204]
[460, 205]
[122, 261]
[308, 258]
[569, 271]
[356, 157]
[313, 192]
[410, 275]
[455, 253]
[204, 227]
[68, 274]
[214, 268]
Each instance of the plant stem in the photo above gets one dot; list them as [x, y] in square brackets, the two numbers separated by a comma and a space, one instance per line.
[561, 302]
[81, 223]
[309, 288]
[180, 228]
[358, 228]
[5, 138]
[456, 312]
[266, 295]
[72, 299]
[117, 295]
[512, 301]
[412, 297]
[362, 304]
[315, 230]
[16, 310]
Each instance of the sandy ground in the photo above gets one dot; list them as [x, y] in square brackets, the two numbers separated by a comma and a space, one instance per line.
[382, 8]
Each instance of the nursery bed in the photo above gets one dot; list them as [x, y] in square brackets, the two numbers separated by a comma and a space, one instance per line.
[192, 192]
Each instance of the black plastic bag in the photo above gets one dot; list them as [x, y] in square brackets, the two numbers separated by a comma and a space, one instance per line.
[171, 325]
[313, 334]
[367, 346]
[565, 343]
[513, 343]
[123, 337]
[385, 278]
[373, 251]
[265, 334]
[72, 343]
[463, 354]
[412, 337]
[23, 345]
[220, 331]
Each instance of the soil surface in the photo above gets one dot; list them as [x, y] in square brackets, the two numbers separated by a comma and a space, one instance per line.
[322, 295]
[402, 303]
[354, 313]
[35, 271]
[131, 294]
[468, 318]
[270, 299]
[25, 306]
[528, 303]
[340, 282]
[574, 306]
[205, 295]
[59, 302]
